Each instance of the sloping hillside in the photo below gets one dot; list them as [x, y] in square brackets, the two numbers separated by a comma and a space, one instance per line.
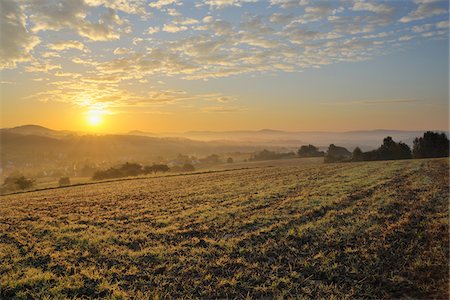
[356, 230]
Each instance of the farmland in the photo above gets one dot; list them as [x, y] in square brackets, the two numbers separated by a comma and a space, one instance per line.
[353, 230]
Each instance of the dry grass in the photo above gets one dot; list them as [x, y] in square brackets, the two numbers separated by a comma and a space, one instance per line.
[359, 230]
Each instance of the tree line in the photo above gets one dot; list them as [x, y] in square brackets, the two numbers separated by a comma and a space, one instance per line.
[431, 145]
[133, 169]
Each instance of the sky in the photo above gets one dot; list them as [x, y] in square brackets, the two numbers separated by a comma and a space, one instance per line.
[174, 66]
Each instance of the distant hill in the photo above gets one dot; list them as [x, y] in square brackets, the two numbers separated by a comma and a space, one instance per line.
[139, 132]
[36, 130]
[31, 145]
[20, 150]
[366, 139]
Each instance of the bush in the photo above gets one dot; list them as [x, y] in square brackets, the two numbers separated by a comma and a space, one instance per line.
[63, 181]
[230, 160]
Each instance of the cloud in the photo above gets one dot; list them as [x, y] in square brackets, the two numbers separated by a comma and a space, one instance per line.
[172, 28]
[224, 3]
[255, 24]
[422, 28]
[173, 12]
[426, 9]
[42, 66]
[72, 14]
[375, 7]
[220, 27]
[311, 35]
[130, 6]
[222, 109]
[98, 93]
[121, 51]
[281, 18]
[319, 9]
[186, 21]
[207, 19]
[16, 43]
[152, 30]
[287, 4]
[376, 102]
[442, 24]
[161, 3]
[65, 45]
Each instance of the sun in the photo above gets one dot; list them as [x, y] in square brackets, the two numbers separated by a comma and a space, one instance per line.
[94, 118]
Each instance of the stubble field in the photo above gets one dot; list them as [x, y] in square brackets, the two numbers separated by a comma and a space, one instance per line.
[354, 230]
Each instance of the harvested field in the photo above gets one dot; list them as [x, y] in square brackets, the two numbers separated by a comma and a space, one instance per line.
[353, 230]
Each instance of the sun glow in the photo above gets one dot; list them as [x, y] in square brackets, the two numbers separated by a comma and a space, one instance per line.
[94, 118]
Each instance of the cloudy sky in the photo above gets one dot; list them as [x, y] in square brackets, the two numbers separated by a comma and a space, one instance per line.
[172, 65]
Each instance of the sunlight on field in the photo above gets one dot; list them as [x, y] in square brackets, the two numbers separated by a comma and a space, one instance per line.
[353, 230]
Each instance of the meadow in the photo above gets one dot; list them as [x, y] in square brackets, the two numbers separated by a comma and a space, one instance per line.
[350, 230]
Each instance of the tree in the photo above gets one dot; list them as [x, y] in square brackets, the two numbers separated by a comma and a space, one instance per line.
[156, 168]
[213, 159]
[18, 182]
[230, 160]
[64, 181]
[108, 174]
[432, 144]
[309, 151]
[188, 168]
[269, 155]
[336, 153]
[127, 169]
[183, 159]
[391, 150]
[87, 170]
[131, 169]
[357, 154]
[387, 151]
